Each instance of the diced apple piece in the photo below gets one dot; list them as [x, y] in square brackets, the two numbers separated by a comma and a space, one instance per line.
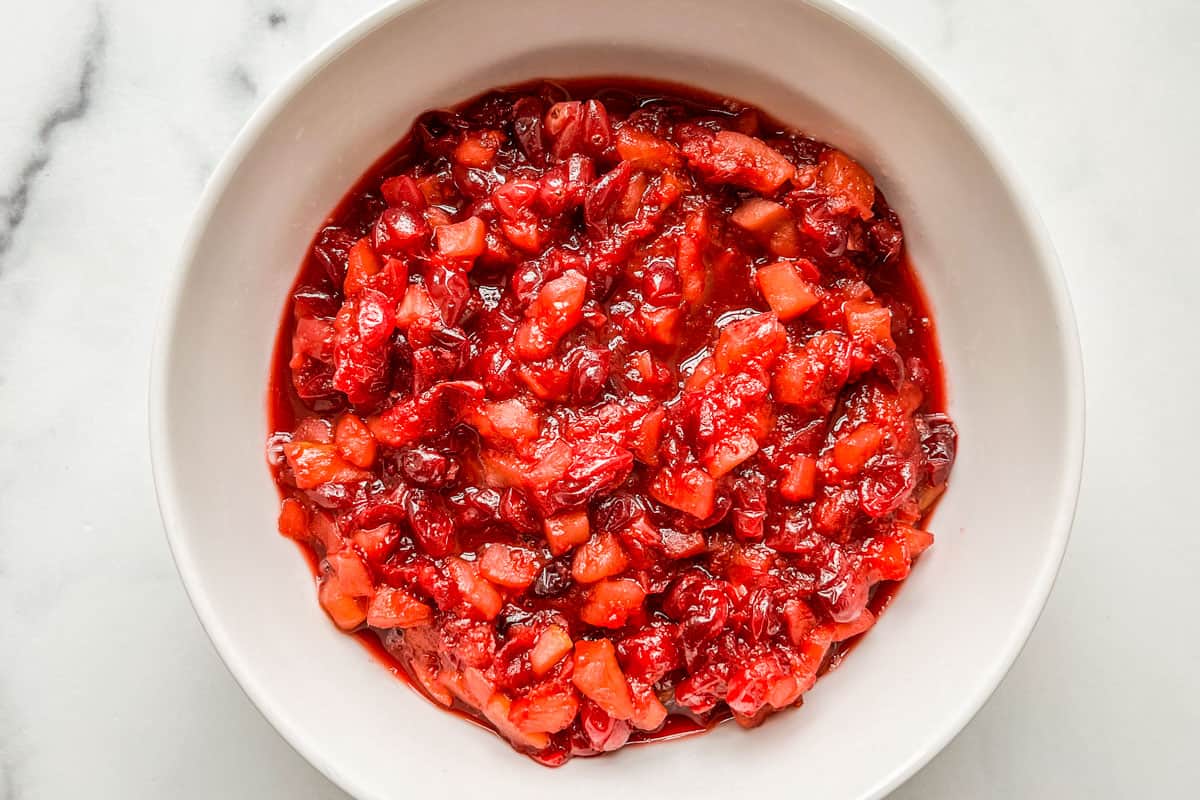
[731, 157]
[557, 309]
[812, 376]
[788, 294]
[647, 435]
[498, 711]
[361, 264]
[347, 611]
[800, 480]
[645, 150]
[760, 216]
[375, 543]
[760, 338]
[354, 441]
[550, 648]
[566, 530]
[352, 574]
[501, 470]
[918, 541]
[690, 489]
[648, 711]
[866, 319]
[316, 464]
[293, 520]
[461, 239]
[547, 708]
[701, 375]
[415, 305]
[841, 631]
[476, 591]
[599, 557]
[599, 677]
[478, 149]
[396, 608]
[728, 452]
[399, 425]
[886, 558]
[509, 566]
[661, 325]
[850, 187]
[853, 450]
[504, 421]
[693, 274]
[611, 603]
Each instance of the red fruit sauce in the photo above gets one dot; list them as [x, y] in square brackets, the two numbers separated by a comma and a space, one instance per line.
[607, 410]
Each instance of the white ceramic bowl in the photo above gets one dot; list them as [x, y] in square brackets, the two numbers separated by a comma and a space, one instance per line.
[1007, 335]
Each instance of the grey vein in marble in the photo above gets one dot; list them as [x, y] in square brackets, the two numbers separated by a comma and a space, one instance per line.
[240, 77]
[15, 202]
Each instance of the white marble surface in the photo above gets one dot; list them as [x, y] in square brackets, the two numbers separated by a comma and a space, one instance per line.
[115, 111]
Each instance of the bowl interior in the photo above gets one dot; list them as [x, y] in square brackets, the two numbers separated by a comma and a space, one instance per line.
[1007, 338]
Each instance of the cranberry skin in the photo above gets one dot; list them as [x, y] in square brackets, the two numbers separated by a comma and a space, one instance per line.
[331, 249]
[887, 483]
[511, 664]
[438, 132]
[334, 496]
[842, 591]
[749, 506]
[514, 198]
[604, 733]
[382, 505]
[602, 197]
[432, 526]
[313, 301]
[515, 510]
[450, 290]
[703, 689]
[553, 580]
[496, 368]
[939, 443]
[700, 605]
[593, 470]
[750, 684]
[425, 466]
[757, 617]
[661, 285]
[525, 283]
[650, 653]
[527, 129]
[399, 231]
[597, 129]
[589, 374]
[615, 512]
[564, 186]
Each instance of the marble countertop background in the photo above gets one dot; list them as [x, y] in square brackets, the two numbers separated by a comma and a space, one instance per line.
[114, 112]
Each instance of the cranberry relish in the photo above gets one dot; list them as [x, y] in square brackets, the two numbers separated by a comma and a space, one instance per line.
[606, 404]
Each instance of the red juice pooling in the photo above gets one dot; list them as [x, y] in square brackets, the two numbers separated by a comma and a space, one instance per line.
[607, 410]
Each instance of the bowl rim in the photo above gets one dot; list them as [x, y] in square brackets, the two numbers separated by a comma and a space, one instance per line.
[1048, 264]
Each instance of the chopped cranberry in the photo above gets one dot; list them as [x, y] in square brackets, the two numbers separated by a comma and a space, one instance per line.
[601, 405]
